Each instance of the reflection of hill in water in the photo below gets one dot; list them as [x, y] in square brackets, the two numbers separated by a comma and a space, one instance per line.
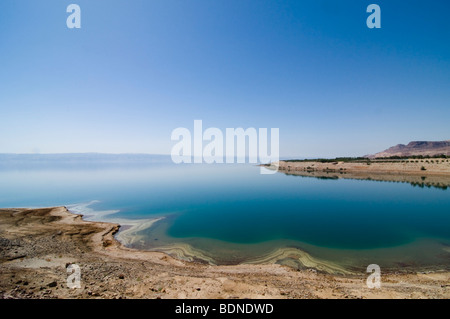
[441, 182]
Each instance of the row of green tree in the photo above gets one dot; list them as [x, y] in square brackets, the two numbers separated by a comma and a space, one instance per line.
[366, 159]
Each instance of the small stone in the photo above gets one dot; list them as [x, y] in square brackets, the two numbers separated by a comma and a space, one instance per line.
[52, 284]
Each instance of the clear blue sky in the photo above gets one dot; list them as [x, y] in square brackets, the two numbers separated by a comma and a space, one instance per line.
[136, 70]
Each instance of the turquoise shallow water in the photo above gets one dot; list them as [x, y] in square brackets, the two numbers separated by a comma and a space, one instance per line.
[231, 211]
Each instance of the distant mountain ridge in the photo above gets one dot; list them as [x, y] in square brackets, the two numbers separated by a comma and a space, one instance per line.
[423, 148]
[80, 160]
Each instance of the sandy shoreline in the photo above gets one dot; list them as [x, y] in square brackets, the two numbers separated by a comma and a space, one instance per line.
[423, 167]
[38, 244]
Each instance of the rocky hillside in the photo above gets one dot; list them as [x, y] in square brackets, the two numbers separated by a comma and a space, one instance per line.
[416, 148]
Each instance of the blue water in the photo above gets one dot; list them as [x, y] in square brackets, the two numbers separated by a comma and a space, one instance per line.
[214, 205]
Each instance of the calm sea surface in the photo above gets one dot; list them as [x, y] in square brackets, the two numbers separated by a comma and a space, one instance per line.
[232, 213]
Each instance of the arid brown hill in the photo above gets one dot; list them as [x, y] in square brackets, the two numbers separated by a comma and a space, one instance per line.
[416, 148]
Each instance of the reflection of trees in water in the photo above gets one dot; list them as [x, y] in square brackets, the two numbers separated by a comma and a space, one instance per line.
[429, 185]
[422, 184]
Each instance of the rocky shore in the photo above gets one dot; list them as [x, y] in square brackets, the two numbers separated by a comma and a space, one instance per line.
[37, 246]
